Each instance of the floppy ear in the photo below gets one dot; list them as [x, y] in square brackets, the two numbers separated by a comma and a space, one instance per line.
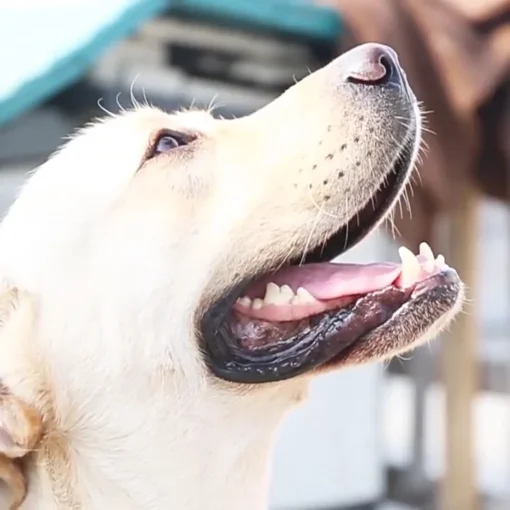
[20, 424]
[20, 429]
[12, 476]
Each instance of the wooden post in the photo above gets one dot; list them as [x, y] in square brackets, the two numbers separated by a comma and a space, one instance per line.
[460, 363]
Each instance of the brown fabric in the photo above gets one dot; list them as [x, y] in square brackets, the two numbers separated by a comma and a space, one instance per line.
[456, 54]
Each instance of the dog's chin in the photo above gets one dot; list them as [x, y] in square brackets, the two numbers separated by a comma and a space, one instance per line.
[310, 316]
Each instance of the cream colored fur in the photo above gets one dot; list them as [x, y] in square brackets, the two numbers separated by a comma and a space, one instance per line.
[112, 258]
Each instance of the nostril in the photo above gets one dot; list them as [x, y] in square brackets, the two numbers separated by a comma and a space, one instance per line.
[371, 64]
[371, 72]
[388, 66]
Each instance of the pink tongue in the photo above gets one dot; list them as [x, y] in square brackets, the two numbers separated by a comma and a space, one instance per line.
[331, 281]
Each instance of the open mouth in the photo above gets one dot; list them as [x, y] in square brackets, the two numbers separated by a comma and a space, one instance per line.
[312, 313]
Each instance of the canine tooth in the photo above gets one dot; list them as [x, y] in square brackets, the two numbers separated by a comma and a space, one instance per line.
[411, 268]
[427, 254]
[257, 304]
[287, 294]
[273, 295]
[244, 301]
[440, 261]
[304, 296]
[426, 251]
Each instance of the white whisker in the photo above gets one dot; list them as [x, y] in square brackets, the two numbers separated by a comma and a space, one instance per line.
[309, 238]
[103, 108]
[117, 101]
[134, 103]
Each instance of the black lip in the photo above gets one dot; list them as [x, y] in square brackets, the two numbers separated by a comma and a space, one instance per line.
[327, 334]
[429, 301]
[333, 338]
[325, 337]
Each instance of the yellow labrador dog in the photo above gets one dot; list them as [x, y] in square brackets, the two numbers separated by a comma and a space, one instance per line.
[167, 293]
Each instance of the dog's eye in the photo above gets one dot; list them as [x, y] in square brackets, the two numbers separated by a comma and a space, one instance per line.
[167, 141]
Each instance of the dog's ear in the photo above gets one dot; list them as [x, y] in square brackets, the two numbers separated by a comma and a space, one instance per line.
[13, 477]
[20, 430]
[20, 424]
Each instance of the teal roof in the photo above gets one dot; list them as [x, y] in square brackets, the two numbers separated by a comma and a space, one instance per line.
[49, 44]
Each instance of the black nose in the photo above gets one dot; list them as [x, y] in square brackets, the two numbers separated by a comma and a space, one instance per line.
[372, 64]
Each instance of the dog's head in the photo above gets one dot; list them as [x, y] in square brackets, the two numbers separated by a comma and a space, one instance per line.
[197, 249]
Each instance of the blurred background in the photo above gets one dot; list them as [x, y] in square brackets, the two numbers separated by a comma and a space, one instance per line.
[431, 431]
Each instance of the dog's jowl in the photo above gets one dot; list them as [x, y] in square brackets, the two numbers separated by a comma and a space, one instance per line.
[168, 290]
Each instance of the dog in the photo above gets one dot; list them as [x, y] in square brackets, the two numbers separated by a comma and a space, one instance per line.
[167, 291]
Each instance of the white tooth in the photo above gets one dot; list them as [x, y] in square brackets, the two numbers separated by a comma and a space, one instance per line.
[257, 304]
[440, 261]
[273, 295]
[411, 269]
[427, 257]
[304, 296]
[287, 294]
[244, 301]
[426, 251]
